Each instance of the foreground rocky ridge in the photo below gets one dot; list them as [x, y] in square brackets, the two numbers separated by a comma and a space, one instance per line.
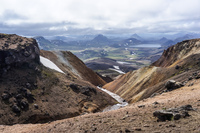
[32, 93]
[178, 63]
[137, 117]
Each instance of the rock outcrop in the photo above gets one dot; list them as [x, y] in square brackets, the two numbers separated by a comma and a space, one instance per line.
[17, 51]
[172, 84]
[173, 113]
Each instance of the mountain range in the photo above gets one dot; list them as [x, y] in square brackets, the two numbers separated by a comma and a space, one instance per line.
[100, 40]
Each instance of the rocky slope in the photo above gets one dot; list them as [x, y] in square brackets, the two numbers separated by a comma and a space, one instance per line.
[137, 117]
[32, 93]
[72, 65]
[178, 62]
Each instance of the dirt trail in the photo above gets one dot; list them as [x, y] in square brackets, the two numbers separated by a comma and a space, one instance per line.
[130, 118]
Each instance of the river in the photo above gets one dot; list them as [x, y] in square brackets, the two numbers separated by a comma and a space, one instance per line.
[122, 102]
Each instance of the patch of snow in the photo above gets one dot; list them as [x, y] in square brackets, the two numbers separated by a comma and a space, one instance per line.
[117, 70]
[122, 62]
[47, 63]
[116, 67]
[122, 102]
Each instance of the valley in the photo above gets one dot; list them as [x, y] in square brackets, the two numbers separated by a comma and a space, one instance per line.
[100, 66]
[101, 53]
[144, 90]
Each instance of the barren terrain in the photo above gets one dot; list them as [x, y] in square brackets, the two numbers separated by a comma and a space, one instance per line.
[130, 118]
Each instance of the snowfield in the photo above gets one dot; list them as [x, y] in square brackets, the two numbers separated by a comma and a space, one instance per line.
[47, 63]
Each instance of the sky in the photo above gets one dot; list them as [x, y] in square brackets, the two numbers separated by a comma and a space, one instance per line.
[65, 17]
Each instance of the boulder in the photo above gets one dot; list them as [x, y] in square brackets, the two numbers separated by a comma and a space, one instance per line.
[19, 97]
[24, 104]
[75, 88]
[16, 109]
[173, 113]
[36, 106]
[198, 76]
[172, 84]
[86, 90]
[177, 67]
[141, 106]
[5, 96]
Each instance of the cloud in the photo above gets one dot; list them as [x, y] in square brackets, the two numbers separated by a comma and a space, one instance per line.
[71, 16]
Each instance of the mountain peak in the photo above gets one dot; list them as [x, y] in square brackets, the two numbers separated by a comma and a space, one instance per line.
[136, 36]
[101, 38]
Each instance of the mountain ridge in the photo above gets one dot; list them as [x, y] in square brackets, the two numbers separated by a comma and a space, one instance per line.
[175, 63]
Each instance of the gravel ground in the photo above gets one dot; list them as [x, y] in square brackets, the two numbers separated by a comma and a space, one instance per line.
[133, 118]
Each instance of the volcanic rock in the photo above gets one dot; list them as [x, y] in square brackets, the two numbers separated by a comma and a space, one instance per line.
[16, 51]
[5, 96]
[172, 84]
[173, 113]
[16, 109]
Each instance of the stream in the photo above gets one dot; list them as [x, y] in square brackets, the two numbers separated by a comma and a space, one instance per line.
[122, 102]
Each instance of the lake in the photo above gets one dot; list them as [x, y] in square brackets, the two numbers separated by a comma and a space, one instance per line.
[146, 46]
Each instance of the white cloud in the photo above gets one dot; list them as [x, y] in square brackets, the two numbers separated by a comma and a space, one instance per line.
[143, 15]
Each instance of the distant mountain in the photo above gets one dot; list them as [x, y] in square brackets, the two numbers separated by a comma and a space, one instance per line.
[163, 40]
[185, 37]
[54, 44]
[42, 39]
[168, 43]
[63, 38]
[136, 36]
[59, 42]
[85, 37]
[43, 43]
[131, 41]
[100, 39]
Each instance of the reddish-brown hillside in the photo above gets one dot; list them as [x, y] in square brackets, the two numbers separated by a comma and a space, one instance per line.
[69, 63]
[178, 62]
[33, 93]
